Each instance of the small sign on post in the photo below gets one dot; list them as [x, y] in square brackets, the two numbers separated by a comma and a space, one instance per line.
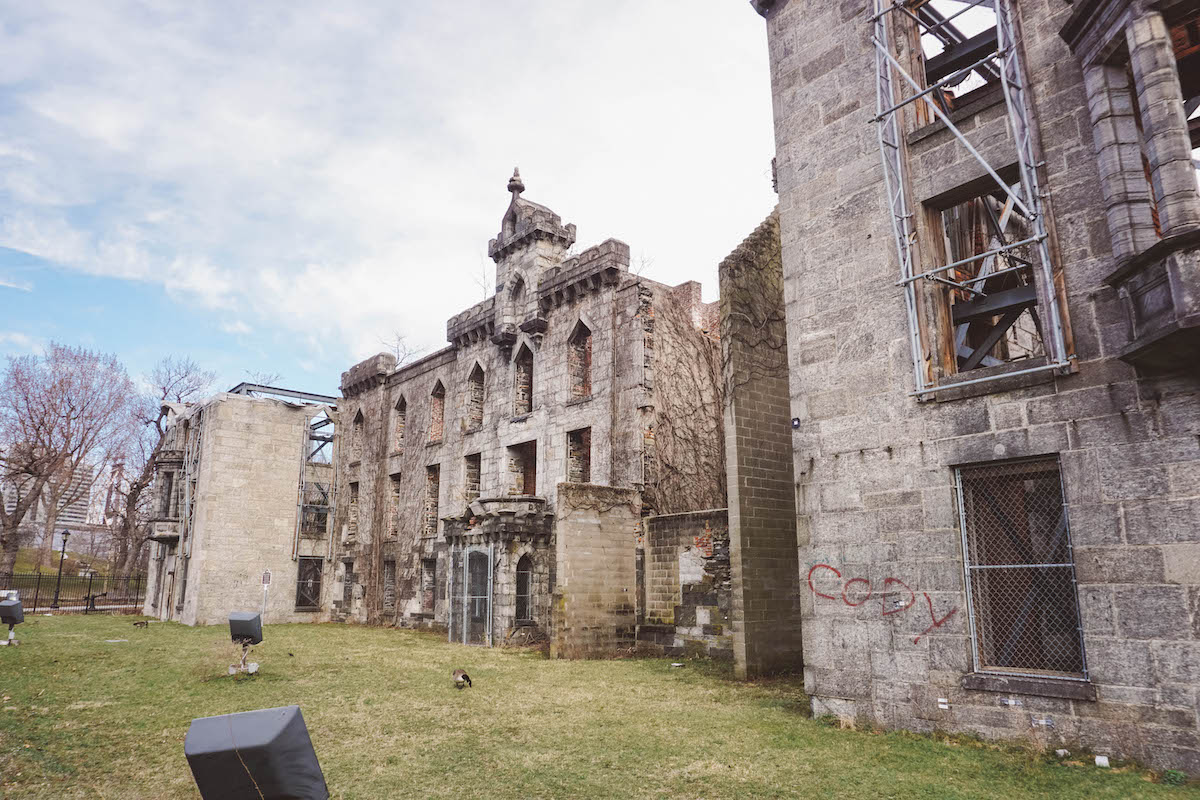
[266, 583]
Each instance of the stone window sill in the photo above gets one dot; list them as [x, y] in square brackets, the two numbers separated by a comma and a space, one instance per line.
[946, 391]
[474, 429]
[521, 417]
[1041, 687]
[433, 443]
[308, 609]
[395, 453]
[575, 401]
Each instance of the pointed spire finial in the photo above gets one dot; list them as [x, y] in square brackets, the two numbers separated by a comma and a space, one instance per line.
[514, 183]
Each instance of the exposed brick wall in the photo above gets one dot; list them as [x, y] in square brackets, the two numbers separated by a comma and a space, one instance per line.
[437, 413]
[472, 466]
[389, 585]
[762, 510]
[393, 509]
[523, 383]
[579, 456]
[433, 487]
[475, 390]
[399, 424]
[594, 600]
[352, 529]
[579, 363]
[688, 584]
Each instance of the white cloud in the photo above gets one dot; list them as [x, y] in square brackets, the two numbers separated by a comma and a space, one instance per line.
[336, 171]
[17, 342]
[236, 328]
[11, 283]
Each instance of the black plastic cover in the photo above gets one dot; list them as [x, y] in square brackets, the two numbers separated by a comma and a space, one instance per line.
[11, 612]
[255, 754]
[245, 626]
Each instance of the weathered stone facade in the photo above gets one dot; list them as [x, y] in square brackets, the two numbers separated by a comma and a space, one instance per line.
[571, 372]
[227, 485]
[1097, 463]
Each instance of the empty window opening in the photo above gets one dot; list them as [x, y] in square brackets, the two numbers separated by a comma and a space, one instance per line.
[320, 439]
[437, 412]
[357, 435]
[991, 294]
[393, 507]
[958, 40]
[433, 485]
[525, 589]
[352, 530]
[1024, 612]
[475, 397]
[399, 424]
[389, 585]
[579, 361]
[471, 476]
[348, 581]
[522, 468]
[315, 505]
[579, 456]
[428, 584]
[523, 382]
[168, 494]
[308, 582]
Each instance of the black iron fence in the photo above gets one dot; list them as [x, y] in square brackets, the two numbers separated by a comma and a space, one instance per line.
[76, 594]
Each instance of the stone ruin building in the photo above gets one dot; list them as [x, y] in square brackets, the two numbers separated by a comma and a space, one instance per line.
[940, 453]
[990, 232]
[243, 490]
[506, 475]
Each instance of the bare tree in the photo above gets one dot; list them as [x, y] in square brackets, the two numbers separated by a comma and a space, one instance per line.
[175, 380]
[57, 410]
[402, 349]
[69, 485]
[263, 378]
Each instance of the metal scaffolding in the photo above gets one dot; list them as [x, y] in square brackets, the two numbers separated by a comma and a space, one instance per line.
[992, 55]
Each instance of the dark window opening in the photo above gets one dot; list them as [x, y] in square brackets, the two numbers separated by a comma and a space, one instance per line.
[308, 583]
[525, 589]
[579, 456]
[522, 468]
[393, 508]
[357, 435]
[523, 382]
[579, 361]
[472, 471]
[389, 585]
[428, 584]
[353, 510]
[433, 485]
[437, 413]
[1024, 612]
[401, 422]
[168, 493]
[475, 398]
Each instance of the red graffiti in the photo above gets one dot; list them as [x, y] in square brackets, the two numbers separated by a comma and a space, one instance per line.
[911, 595]
[937, 623]
[887, 582]
[847, 586]
[810, 583]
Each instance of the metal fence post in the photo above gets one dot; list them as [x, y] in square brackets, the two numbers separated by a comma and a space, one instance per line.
[87, 600]
[137, 591]
[37, 588]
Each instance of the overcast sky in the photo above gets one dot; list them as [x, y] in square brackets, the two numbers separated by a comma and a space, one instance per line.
[278, 187]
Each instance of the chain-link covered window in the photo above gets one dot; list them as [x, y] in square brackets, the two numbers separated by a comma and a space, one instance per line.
[308, 582]
[1023, 609]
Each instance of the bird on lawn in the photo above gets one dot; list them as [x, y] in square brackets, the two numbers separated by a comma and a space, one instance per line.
[461, 679]
[141, 623]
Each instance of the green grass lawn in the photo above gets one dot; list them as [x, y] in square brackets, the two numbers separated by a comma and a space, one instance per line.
[82, 717]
